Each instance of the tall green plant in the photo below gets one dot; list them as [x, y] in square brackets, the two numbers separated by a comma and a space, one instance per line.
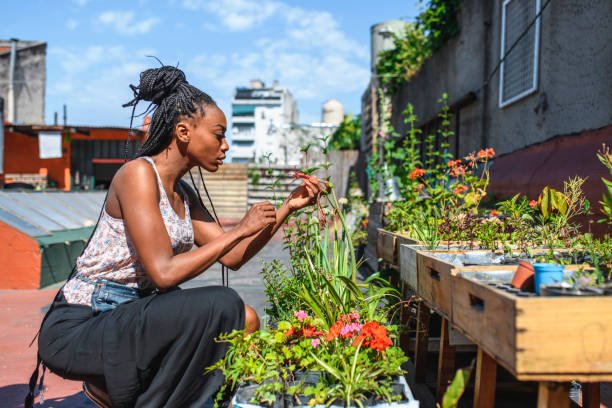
[605, 157]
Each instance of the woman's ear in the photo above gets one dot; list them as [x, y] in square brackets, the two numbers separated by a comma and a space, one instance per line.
[182, 132]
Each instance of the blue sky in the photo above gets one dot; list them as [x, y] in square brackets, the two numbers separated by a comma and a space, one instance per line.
[96, 48]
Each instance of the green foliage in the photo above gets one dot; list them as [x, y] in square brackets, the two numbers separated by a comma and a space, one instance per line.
[456, 388]
[280, 287]
[254, 175]
[396, 66]
[551, 200]
[348, 134]
[605, 157]
[439, 22]
[435, 25]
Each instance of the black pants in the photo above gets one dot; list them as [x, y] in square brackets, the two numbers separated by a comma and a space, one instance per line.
[150, 352]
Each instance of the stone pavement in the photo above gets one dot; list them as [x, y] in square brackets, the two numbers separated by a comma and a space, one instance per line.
[22, 310]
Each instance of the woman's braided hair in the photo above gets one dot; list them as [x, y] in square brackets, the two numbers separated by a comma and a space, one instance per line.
[171, 96]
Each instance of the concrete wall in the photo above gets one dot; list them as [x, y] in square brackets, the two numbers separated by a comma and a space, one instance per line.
[30, 79]
[574, 90]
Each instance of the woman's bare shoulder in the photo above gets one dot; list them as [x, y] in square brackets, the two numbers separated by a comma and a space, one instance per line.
[134, 182]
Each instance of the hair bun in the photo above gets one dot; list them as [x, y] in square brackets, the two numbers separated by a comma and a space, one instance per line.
[158, 83]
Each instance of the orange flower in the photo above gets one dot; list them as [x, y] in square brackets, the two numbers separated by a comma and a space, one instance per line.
[533, 204]
[457, 171]
[417, 173]
[460, 189]
[419, 187]
[495, 213]
[365, 223]
[486, 153]
[453, 163]
[290, 332]
[334, 331]
[311, 332]
[373, 335]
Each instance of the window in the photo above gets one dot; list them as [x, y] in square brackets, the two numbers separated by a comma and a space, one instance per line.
[243, 110]
[519, 71]
[245, 143]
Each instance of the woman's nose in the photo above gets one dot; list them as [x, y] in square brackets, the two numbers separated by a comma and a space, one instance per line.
[224, 145]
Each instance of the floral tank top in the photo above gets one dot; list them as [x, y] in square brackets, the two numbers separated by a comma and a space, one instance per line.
[111, 254]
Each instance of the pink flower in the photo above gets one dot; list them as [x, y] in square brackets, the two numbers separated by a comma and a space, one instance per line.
[315, 342]
[300, 314]
[349, 329]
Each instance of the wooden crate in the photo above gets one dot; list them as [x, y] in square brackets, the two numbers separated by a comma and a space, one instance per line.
[433, 282]
[536, 338]
[388, 245]
[408, 264]
[433, 278]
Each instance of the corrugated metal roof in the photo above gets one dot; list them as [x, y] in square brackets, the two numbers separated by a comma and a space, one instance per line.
[41, 213]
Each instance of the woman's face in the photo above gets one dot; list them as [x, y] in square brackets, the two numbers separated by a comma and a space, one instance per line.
[207, 146]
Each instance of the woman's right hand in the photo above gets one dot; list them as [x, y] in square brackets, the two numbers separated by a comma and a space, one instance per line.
[260, 216]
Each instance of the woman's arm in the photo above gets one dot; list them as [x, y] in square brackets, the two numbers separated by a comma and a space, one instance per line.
[136, 190]
[206, 230]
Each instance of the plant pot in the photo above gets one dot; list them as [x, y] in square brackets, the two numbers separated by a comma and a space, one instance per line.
[523, 277]
[297, 400]
[245, 394]
[545, 273]
[309, 377]
[303, 379]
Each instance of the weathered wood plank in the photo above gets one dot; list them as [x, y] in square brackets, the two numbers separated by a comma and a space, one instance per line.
[553, 395]
[485, 380]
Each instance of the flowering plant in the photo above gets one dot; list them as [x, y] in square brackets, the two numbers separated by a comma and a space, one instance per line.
[356, 355]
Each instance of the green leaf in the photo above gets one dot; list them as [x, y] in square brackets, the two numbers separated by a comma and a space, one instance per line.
[456, 388]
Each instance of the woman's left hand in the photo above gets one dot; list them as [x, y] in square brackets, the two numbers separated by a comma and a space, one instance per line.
[305, 194]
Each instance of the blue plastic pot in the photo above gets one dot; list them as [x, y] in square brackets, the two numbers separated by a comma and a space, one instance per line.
[545, 273]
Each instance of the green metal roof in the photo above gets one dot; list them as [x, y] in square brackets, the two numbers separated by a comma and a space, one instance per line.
[79, 234]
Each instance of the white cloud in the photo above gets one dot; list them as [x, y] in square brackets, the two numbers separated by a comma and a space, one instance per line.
[311, 55]
[99, 94]
[237, 15]
[124, 23]
[71, 24]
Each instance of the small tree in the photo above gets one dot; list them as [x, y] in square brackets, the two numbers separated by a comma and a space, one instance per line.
[348, 134]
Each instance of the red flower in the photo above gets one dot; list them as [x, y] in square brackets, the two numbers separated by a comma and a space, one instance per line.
[290, 332]
[533, 204]
[495, 213]
[311, 331]
[417, 173]
[453, 163]
[334, 331]
[373, 335]
[365, 223]
[460, 189]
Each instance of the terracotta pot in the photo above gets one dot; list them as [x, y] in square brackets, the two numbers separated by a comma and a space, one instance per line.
[523, 277]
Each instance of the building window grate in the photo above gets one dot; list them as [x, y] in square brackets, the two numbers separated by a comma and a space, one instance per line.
[519, 71]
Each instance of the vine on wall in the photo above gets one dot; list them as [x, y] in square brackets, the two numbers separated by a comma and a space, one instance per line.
[436, 24]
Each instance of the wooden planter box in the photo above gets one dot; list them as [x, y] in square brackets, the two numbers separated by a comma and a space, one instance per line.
[388, 245]
[433, 277]
[535, 338]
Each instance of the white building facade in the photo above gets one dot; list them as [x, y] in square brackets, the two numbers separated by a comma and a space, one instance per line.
[256, 112]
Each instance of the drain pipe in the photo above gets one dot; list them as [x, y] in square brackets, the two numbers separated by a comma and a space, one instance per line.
[11, 90]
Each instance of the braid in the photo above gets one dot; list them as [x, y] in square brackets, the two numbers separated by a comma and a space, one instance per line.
[171, 96]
